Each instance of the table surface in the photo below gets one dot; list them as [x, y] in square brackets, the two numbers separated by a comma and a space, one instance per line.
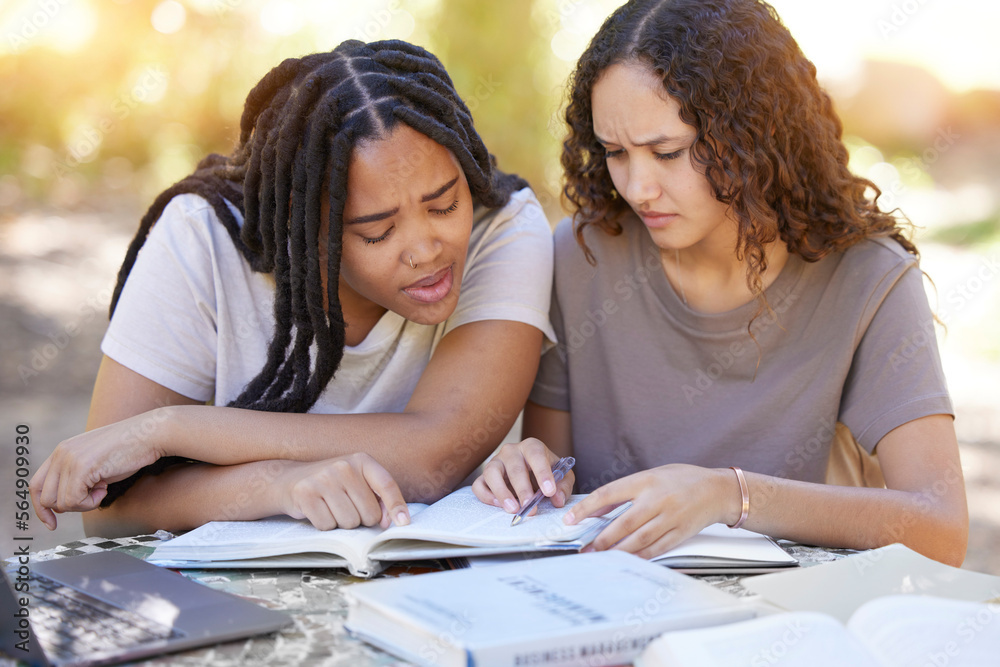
[315, 600]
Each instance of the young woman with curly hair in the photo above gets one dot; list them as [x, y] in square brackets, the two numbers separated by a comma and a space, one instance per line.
[358, 257]
[728, 295]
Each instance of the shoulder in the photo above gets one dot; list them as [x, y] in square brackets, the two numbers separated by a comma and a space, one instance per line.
[521, 221]
[522, 212]
[189, 224]
[854, 285]
[609, 251]
[184, 217]
[188, 209]
[878, 254]
[874, 265]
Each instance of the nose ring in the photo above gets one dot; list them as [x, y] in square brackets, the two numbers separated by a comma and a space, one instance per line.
[412, 265]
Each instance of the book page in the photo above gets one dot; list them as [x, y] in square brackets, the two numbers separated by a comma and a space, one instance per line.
[919, 630]
[800, 639]
[719, 543]
[274, 536]
[460, 518]
[840, 587]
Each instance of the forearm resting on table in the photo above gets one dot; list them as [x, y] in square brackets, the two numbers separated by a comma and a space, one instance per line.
[427, 454]
[186, 496]
[931, 523]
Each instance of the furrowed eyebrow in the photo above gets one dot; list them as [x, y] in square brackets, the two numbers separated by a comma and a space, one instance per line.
[375, 217]
[440, 191]
[662, 139]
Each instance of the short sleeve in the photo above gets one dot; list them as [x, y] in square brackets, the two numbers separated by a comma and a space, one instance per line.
[896, 374]
[164, 326]
[508, 273]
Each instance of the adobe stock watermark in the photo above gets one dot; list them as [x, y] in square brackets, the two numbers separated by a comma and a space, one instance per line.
[817, 447]
[950, 477]
[259, 482]
[562, 10]
[725, 359]
[795, 630]
[34, 23]
[819, 444]
[86, 142]
[944, 139]
[968, 289]
[967, 631]
[899, 15]
[624, 464]
[472, 448]
[42, 357]
[960, 296]
[378, 21]
[447, 638]
[640, 626]
[625, 288]
[224, 7]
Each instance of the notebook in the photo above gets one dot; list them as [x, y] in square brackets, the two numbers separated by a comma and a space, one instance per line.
[109, 607]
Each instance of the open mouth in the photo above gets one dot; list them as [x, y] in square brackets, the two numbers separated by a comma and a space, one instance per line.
[432, 288]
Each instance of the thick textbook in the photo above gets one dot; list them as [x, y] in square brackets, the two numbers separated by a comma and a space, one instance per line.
[890, 631]
[457, 525]
[581, 609]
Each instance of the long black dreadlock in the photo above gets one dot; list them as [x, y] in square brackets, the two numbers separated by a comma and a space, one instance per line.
[299, 126]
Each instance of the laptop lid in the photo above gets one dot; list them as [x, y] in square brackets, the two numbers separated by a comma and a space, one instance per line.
[201, 614]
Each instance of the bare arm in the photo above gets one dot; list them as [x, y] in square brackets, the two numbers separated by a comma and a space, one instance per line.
[184, 497]
[465, 402]
[924, 506]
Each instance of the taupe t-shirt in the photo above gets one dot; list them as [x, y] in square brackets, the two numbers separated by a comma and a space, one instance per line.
[649, 381]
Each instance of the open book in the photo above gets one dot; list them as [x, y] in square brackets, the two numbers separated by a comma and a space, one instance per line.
[840, 587]
[717, 549]
[890, 631]
[457, 525]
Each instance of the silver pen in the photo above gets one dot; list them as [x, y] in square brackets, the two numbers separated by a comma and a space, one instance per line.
[559, 470]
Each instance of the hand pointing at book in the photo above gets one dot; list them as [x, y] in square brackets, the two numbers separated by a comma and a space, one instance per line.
[669, 504]
[341, 492]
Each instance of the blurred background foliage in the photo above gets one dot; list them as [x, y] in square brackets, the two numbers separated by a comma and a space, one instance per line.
[108, 100]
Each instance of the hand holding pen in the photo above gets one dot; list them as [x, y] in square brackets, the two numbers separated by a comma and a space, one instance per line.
[559, 470]
[510, 477]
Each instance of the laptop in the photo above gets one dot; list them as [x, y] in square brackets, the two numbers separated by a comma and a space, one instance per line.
[108, 607]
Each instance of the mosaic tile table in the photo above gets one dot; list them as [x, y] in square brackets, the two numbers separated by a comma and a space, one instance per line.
[315, 599]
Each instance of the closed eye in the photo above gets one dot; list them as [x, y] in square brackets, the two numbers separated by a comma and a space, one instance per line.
[446, 211]
[669, 156]
[383, 237]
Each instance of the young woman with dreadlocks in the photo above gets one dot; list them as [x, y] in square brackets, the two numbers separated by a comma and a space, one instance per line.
[358, 257]
[726, 295]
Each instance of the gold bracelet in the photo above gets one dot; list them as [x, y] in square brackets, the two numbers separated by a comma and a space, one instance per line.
[746, 497]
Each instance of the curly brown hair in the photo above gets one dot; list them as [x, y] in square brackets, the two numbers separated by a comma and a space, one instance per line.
[768, 139]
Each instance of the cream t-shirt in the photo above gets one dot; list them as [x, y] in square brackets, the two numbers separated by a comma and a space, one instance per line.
[196, 319]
